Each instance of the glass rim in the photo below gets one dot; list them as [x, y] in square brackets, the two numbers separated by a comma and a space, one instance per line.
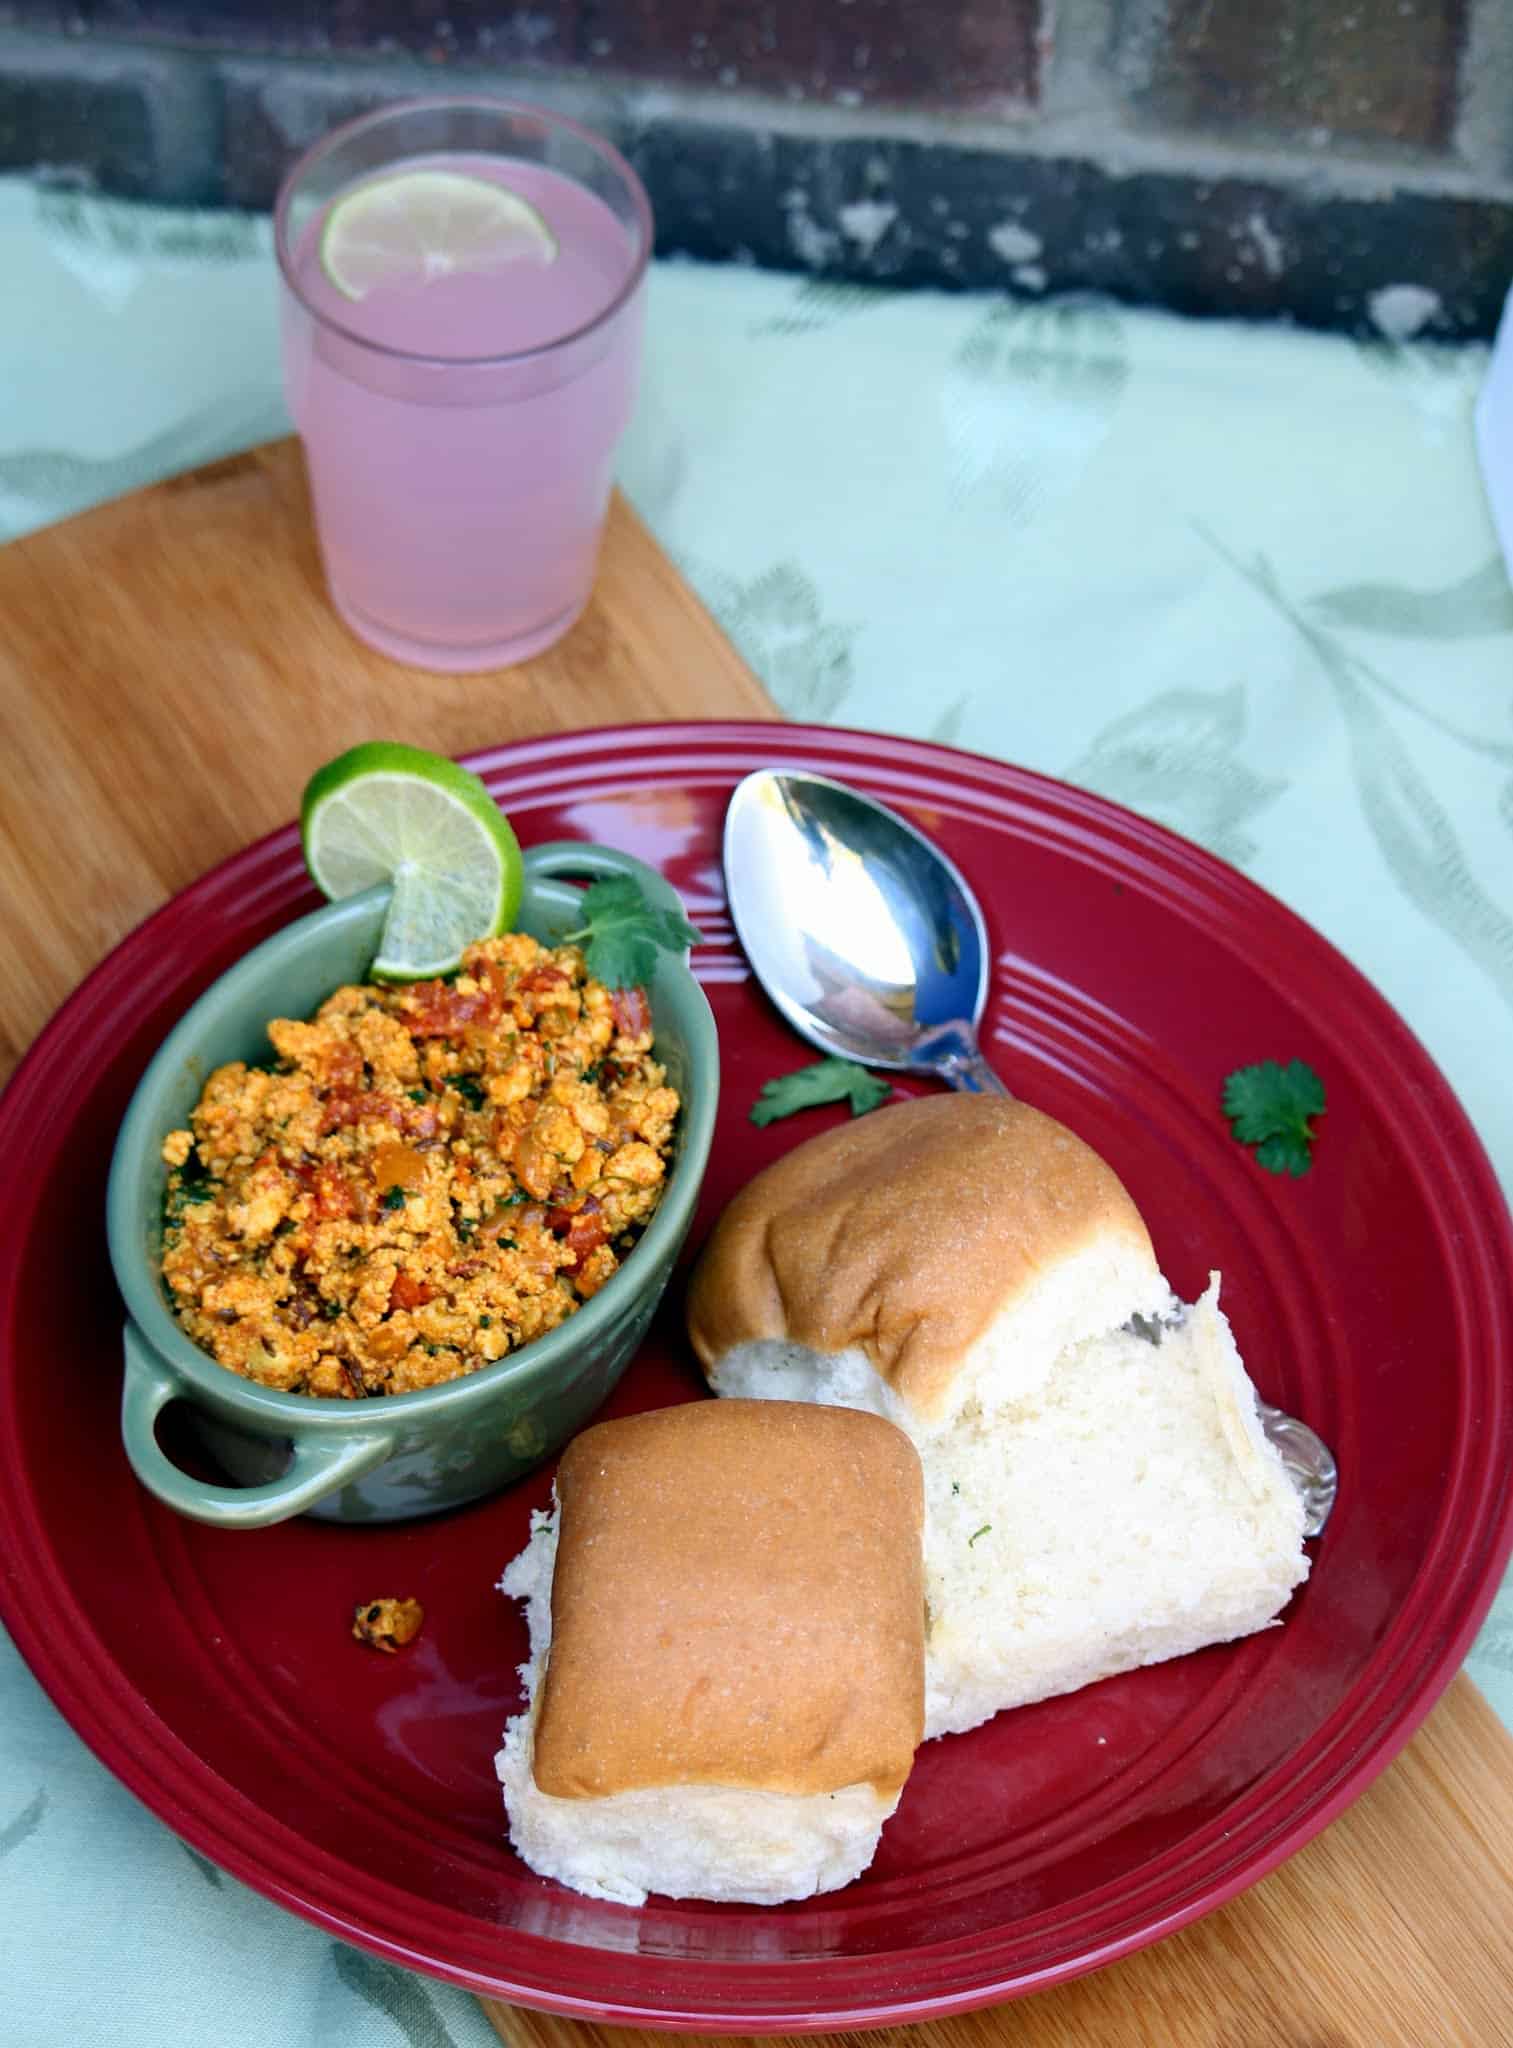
[493, 103]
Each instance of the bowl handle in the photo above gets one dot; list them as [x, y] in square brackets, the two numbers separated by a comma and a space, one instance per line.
[316, 1469]
[569, 858]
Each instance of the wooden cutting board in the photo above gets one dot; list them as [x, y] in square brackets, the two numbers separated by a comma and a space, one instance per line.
[170, 673]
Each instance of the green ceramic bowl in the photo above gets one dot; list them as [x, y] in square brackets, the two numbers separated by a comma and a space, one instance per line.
[407, 1454]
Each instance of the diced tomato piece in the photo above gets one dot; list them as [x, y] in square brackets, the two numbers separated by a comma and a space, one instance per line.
[370, 1106]
[436, 1009]
[541, 981]
[586, 1235]
[332, 1193]
[342, 1066]
[631, 1011]
[408, 1292]
[339, 1111]
[582, 1230]
[344, 1106]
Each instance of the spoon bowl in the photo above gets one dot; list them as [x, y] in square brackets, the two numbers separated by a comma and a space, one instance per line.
[866, 937]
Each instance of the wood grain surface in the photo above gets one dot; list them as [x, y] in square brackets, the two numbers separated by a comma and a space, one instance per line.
[170, 673]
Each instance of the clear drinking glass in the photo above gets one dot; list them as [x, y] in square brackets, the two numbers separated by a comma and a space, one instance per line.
[460, 422]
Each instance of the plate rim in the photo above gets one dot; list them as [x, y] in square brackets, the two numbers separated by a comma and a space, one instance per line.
[261, 868]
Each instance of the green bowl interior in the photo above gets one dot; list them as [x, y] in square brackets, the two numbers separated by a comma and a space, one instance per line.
[290, 975]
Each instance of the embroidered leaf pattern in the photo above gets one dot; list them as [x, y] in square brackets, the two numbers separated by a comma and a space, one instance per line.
[1479, 603]
[55, 481]
[776, 621]
[819, 303]
[947, 728]
[213, 1877]
[124, 228]
[1027, 398]
[1176, 759]
[1412, 829]
[26, 1823]
[399, 1996]
[1418, 840]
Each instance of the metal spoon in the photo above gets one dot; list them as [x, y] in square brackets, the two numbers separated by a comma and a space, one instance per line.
[872, 945]
[1309, 1461]
[864, 935]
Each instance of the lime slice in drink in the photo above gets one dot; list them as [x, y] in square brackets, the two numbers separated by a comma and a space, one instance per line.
[413, 226]
[389, 813]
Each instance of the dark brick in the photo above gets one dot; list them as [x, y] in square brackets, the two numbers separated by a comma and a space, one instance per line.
[841, 197]
[952, 53]
[140, 122]
[1317, 70]
[920, 213]
[978, 54]
[272, 109]
[532, 32]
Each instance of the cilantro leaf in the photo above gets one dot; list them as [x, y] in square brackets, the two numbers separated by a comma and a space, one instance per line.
[826, 1081]
[1269, 1107]
[622, 933]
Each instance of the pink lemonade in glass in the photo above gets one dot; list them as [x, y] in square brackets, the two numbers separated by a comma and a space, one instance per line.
[462, 313]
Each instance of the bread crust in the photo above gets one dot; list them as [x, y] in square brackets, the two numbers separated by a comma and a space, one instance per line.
[738, 1600]
[905, 1233]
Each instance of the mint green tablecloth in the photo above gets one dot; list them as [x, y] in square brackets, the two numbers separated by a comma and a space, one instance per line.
[1240, 579]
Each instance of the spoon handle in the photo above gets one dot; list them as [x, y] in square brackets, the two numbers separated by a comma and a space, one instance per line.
[972, 1074]
[952, 1051]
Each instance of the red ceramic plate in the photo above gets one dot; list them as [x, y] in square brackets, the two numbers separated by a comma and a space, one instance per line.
[212, 1671]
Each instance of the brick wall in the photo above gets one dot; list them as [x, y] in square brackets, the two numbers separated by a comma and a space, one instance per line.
[1300, 72]
[1341, 162]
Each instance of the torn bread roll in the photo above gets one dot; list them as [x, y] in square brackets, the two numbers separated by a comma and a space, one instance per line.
[969, 1268]
[726, 1679]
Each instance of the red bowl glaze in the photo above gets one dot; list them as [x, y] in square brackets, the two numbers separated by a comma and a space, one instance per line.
[213, 1671]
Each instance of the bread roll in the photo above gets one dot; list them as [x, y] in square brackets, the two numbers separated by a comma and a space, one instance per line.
[936, 1255]
[726, 1682]
[971, 1269]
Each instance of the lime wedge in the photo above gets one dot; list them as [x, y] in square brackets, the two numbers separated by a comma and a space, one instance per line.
[383, 812]
[413, 226]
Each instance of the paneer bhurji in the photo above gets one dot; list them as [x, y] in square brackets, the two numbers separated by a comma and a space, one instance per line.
[424, 1178]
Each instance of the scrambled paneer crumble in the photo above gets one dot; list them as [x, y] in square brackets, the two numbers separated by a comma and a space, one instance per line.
[425, 1178]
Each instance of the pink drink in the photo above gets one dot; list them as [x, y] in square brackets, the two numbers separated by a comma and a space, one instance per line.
[460, 429]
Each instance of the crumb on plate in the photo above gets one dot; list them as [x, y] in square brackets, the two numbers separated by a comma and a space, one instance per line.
[387, 1624]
